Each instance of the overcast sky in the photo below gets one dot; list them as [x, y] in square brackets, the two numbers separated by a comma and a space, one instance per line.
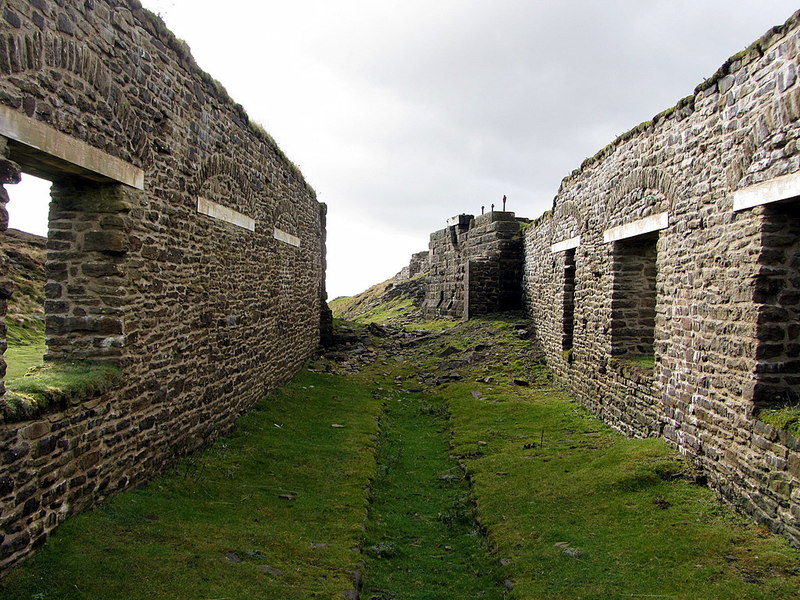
[402, 113]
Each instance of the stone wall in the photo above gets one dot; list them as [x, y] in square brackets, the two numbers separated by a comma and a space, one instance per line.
[684, 236]
[183, 246]
[475, 266]
[418, 264]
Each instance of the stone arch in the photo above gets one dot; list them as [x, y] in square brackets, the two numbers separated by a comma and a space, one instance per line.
[567, 208]
[36, 51]
[568, 219]
[284, 218]
[745, 155]
[224, 178]
[649, 178]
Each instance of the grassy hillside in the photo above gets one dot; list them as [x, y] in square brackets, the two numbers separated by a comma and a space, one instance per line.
[26, 254]
[394, 301]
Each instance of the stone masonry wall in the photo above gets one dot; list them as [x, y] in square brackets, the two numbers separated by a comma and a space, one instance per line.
[667, 257]
[492, 244]
[204, 316]
[418, 264]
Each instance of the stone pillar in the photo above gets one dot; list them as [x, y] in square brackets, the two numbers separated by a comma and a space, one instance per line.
[9, 174]
[88, 288]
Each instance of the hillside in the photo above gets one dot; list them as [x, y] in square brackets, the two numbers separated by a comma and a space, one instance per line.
[396, 301]
[26, 254]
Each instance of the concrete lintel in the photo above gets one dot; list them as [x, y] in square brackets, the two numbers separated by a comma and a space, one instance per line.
[223, 213]
[36, 137]
[288, 238]
[569, 244]
[774, 190]
[637, 228]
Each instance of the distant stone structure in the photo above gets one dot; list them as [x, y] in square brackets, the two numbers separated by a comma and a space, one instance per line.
[419, 263]
[664, 285]
[183, 247]
[475, 266]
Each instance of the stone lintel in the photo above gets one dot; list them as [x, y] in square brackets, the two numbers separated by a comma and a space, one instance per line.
[569, 244]
[288, 238]
[223, 213]
[45, 151]
[766, 192]
[459, 220]
[637, 228]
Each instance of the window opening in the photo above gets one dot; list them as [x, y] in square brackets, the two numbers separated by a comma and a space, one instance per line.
[568, 301]
[633, 304]
[777, 298]
[25, 248]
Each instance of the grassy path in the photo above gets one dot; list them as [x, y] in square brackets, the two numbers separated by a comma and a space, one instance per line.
[422, 538]
[277, 510]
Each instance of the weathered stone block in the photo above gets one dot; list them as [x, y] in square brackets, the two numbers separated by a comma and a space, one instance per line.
[35, 430]
[115, 242]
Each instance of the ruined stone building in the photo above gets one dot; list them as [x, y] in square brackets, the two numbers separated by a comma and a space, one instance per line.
[665, 283]
[475, 266]
[183, 246]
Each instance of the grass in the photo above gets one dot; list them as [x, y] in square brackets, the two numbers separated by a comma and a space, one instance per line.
[386, 311]
[554, 503]
[422, 538]
[285, 491]
[55, 384]
[579, 511]
[786, 418]
[582, 512]
[646, 362]
[432, 325]
[573, 508]
[26, 347]
[20, 359]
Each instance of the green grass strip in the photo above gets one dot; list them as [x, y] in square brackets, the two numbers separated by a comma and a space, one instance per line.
[273, 511]
[422, 538]
[580, 511]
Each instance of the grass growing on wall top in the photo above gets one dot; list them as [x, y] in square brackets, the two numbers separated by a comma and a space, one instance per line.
[55, 384]
[786, 418]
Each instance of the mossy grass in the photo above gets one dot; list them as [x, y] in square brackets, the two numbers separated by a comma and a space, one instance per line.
[644, 362]
[579, 511]
[274, 510]
[30, 332]
[385, 312]
[21, 358]
[422, 537]
[563, 506]
[56, 384]
[432, 325]
[786, 418]
[576, 510]
[26, 347]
